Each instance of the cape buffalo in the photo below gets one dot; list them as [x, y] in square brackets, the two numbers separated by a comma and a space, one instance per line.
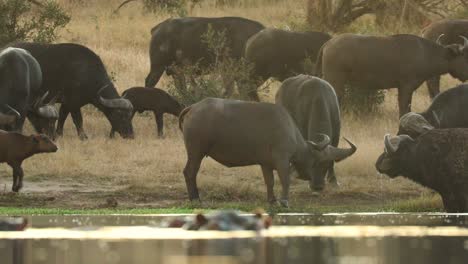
[448, 110]
[180, 40]
[437, 159]
[15, 148]
[313, 105]
[282, 54]
[446, 31]
[78, 76]
[20, 82]
[152, 99]
[237, 133]
[398, 61]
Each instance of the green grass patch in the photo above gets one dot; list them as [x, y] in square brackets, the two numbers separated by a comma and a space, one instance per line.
[422, 204]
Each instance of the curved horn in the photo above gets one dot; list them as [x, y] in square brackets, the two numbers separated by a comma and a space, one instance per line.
[339, 154]
[40, 101]
[465, 41]
[322, 144]
[17, 114]
[436, 119]
[116, 103]
[389, 147]
[102, 89]
[7, 118]
[439, 38]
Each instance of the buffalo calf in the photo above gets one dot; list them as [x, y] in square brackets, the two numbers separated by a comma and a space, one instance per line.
[437, 159]
[15, 148]
[152, 99]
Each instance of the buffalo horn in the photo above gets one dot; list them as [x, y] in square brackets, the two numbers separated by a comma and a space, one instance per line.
[436, 119]
[7, 118]
[322, 144]
[339, 154]
[465, 41]
[48, 111]
[102, 89]
[389, 147]
[439, 38]
[116, 103]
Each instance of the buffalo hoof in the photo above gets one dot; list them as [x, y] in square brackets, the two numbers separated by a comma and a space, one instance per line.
[15, 189]
[334, 184]
[83, 136]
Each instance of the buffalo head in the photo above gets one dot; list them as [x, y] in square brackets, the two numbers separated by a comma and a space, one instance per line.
[43, 116]
[457, 56]
[119, 111]
[397, 150]
[414, 124]
[319, 156]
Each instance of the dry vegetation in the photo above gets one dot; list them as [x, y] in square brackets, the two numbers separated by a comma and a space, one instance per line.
[147, 171]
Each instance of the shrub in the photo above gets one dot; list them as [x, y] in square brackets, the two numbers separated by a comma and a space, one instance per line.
[20, 21]
[200, 82]
[362, 101]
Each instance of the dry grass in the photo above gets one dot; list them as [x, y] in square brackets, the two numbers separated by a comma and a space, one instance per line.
[154, 166]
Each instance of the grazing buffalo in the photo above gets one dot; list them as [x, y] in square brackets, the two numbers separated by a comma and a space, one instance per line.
[155, 100]
[282, 54]
[77, 75]
[177, 41]
[446, 31]
[398, 61]
[313, 105]
[448, 110]
[20, 95]
[15, 148]
[437, 159]
[237, 133]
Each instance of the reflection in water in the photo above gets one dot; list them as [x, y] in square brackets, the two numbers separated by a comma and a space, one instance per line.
[331, 238]
[244, 250]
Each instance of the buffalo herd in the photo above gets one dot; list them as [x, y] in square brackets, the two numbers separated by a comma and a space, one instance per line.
[299, 133]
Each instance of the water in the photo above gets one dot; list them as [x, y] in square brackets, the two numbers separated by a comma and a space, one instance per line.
[301, 238]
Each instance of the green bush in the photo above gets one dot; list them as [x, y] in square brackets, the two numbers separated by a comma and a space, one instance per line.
[362, 101]
[196, 82]
[19, 20]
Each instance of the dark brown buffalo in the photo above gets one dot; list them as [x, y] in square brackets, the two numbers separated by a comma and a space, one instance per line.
[178, 41]
[152, 99]
[437, 159]
[282, 54]
[313, 105]
[237, 133]
[15, 148]
[399, 61]
[446, 31]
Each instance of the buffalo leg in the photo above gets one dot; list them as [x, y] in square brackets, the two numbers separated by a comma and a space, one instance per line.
[283, 173]
[405, 95]
[190, 174]
[433, 86]
[63, 114]
[78, 121]
[17, 177]
[159, 123]
[331, 176]
[270, 182]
